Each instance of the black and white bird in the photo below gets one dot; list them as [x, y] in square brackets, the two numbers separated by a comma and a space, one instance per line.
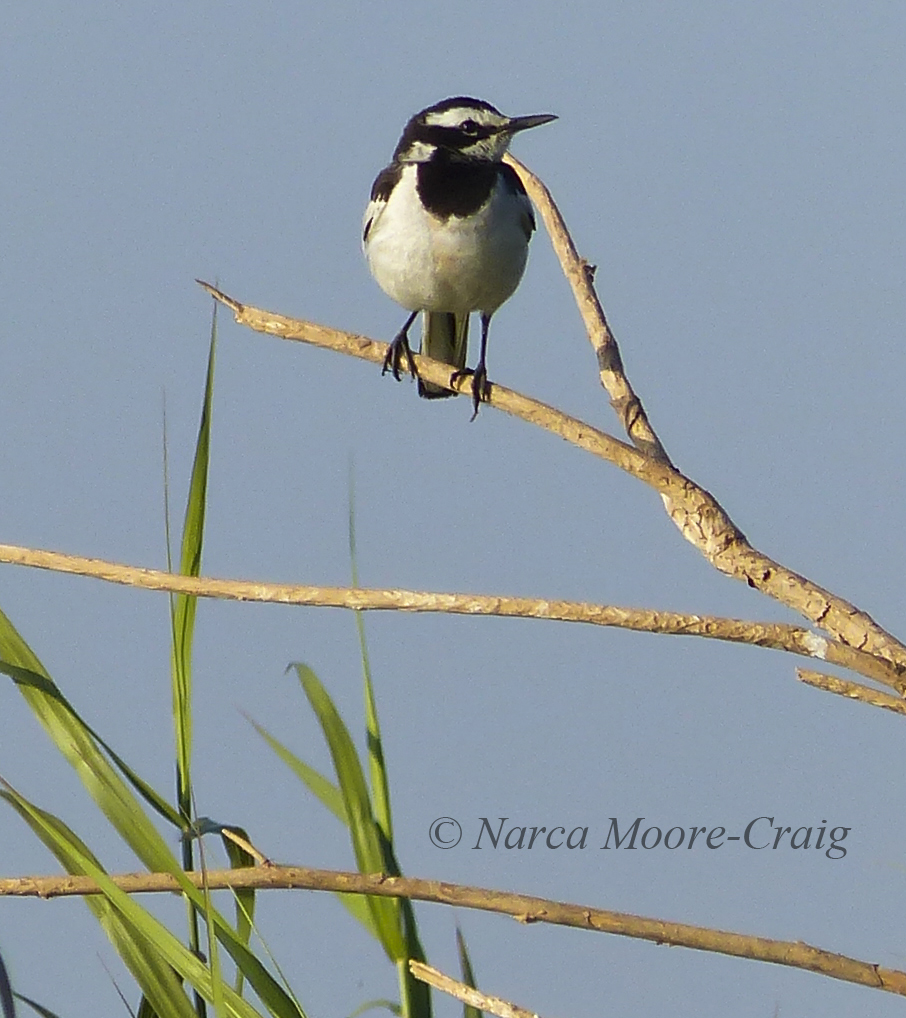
[447, 231]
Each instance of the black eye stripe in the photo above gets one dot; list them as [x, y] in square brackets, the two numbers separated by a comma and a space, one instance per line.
[453, 137]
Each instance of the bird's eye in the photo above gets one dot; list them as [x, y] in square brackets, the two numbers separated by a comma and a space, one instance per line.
[469, 127]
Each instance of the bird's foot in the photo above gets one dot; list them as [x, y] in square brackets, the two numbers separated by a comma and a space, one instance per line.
[398, 349]
[481, 387]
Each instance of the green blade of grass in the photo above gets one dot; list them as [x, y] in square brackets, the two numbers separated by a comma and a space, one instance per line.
[378, 772]
[182, 622]
[154, 956]
[7, 1000]
[218, 996]
[40, 683]
[78, 859]
[274, 962]
[468, 974]
[45, 1012]
[364, 831]
[330, 796]
[415, 995]
[58, 716]
[155, 977]
[112, 795]
[324, 790]
[145, 1010]
[72, 738]
[245, 896]
[258, 977]
[183, 606]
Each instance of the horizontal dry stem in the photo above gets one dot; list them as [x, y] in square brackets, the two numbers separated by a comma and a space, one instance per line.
[525, 908]
[775, 636]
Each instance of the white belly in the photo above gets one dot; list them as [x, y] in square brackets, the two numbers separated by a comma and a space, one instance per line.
[461, 265]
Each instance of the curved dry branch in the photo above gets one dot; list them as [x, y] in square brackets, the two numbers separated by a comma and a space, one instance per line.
[523, 907]
[771, 635]
[580, 276]
[697, 514]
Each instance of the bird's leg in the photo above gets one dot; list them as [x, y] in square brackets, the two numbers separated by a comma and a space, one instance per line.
[399, 348]
[481, 387]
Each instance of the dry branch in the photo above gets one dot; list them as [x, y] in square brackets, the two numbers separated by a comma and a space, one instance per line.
[695, 511]
[697, 514]
[580, 276]
[523, 907]
[772, 635]
[852, 690]
[467, 994]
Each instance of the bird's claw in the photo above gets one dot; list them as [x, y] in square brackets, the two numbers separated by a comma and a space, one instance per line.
[481, 387]
[399, 348]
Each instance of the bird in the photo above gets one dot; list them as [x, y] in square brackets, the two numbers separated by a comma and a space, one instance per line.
[447, 230]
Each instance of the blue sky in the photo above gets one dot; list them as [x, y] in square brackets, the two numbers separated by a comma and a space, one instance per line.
[735, 172]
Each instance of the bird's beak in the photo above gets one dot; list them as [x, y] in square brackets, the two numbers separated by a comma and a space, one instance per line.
[523, 123]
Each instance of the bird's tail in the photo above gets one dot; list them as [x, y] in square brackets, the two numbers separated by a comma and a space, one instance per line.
[445, 338]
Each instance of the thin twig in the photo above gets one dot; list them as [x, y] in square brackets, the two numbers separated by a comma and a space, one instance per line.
[771, 635]
[525, 908]
[852, 690]
[467, 994]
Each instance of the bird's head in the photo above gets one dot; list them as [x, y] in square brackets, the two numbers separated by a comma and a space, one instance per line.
[461, 129]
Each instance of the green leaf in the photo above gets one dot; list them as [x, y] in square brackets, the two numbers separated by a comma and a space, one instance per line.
[154, 976]
[468, 974]
[414, 994]
[183, 606]
[331, 797]
[322, 788]
[145, 1010]
[377, 769]
[38, 682]
[182, 616]
[45, 1012]
[75, 742]
[218, 988]
[245, 896]
[149, 950]
[7, 1001]
[366, 835]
